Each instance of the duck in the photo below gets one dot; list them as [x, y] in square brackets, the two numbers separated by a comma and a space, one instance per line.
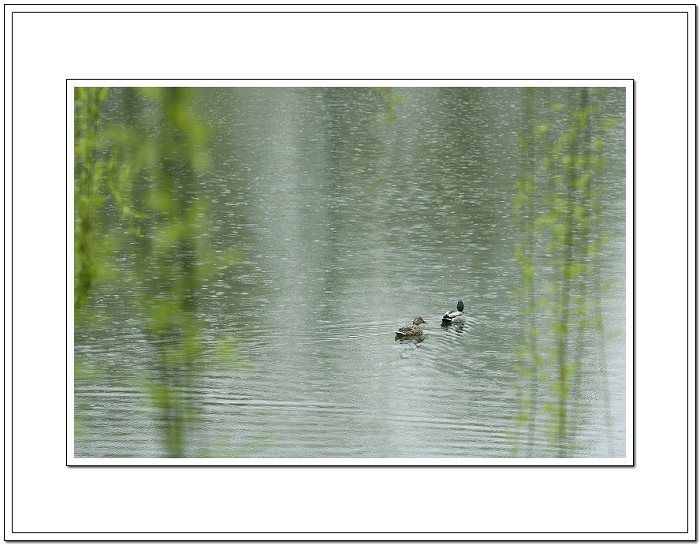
[413, 329]
[455, 316]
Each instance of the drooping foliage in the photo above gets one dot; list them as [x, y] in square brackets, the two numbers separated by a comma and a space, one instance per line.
[558, 204]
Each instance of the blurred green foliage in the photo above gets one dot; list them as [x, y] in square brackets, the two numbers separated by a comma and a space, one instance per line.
[558, 203]
[155, 158]
[97, 176]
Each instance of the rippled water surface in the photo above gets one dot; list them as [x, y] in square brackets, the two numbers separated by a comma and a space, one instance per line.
[349, 225]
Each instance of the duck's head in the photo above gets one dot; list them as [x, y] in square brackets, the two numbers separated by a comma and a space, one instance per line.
[460, 305]
[419, 321]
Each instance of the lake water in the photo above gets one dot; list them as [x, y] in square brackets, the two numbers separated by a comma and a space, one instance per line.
[353, 212]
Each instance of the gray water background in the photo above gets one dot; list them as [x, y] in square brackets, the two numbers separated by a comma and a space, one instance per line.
[349, 225]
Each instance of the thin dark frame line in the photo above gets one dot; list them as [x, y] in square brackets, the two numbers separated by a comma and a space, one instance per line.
[67, 293]
[633, 235]
[354, 532]
[263, 465]
[12, 260]
[453, 12]
[350, 79]
[687, 261]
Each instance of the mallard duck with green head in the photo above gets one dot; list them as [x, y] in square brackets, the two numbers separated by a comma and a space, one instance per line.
[455, 316]
[411, 330]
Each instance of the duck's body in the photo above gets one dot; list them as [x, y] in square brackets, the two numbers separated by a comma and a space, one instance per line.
[455, 316]
[411, 330]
